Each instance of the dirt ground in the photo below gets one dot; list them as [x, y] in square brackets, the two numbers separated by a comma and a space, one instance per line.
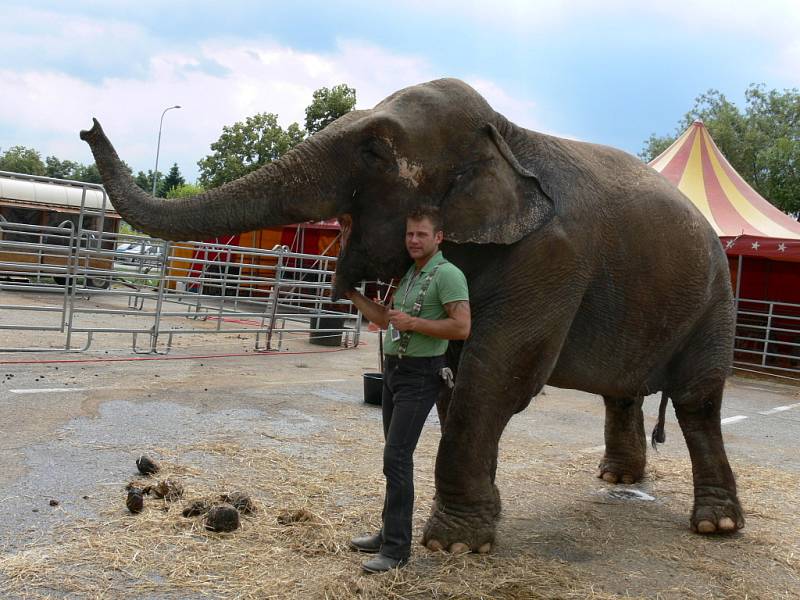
[291, 429]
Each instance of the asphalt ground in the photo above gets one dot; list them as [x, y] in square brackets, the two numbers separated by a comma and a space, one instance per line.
[73, 424]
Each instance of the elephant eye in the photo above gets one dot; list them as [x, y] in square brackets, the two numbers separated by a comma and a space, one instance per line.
[377, 154]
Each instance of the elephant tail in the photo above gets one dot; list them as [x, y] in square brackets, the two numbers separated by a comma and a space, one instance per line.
[659, 436]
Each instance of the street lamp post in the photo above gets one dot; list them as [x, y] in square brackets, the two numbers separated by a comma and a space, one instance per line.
[158, 146]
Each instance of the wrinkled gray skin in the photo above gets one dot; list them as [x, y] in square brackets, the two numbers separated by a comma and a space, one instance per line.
[586, 268]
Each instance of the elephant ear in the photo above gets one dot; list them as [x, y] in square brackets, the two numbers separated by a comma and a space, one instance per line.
[497, 200]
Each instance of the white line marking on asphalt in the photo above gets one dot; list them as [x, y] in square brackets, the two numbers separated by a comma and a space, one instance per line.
[48, 390]
[77, 389]
[778, 409]
[735, 419]
[305, 382]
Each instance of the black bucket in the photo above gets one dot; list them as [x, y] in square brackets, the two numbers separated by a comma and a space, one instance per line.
[326, 338]
[373, 388]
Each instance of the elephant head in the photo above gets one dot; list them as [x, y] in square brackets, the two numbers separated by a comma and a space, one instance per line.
[437, 143]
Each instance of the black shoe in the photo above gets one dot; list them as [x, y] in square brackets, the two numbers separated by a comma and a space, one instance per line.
[383, 563]
[367, 543]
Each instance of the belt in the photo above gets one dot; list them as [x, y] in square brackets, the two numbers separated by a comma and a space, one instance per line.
[413, 359]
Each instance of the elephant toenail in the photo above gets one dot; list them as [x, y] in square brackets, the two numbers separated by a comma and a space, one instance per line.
[485, 549]
[459, 548]
[435, 546]
[627, 479]
[706, 527]
[610, 477]
[726, 524]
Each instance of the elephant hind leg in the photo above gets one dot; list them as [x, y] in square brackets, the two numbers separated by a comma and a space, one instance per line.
[626, 445]
[716, 506]
[697, 380]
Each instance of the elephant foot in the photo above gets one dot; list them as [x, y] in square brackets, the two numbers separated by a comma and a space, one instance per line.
[614, 470]
[460, 529]
[716, 510]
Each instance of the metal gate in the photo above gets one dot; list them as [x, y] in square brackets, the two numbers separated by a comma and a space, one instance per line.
[63, 286]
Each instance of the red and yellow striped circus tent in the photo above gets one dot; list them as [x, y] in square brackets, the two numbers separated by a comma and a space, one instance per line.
[762, 244]
[746, 223]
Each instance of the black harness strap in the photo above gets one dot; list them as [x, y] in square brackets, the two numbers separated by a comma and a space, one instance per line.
[405, 336]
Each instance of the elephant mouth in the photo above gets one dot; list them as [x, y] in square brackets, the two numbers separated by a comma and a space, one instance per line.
[346, 228]
[359, 259]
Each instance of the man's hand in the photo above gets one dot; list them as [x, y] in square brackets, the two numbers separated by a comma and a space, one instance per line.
[375, 312]
[401, 321]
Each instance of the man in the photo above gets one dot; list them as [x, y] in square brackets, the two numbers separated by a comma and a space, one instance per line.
[431, 306]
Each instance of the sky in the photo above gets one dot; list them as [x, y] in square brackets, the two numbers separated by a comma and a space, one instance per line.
[609, 72]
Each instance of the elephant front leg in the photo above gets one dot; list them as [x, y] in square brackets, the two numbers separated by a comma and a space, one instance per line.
[626, 444]
[467, 503]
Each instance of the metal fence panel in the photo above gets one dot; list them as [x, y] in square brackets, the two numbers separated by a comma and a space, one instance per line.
[767, 335]
[89, 282]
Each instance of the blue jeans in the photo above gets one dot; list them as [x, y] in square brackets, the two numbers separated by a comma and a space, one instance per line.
[411, 386]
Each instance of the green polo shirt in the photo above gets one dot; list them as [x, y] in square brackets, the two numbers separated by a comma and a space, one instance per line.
[448, 285]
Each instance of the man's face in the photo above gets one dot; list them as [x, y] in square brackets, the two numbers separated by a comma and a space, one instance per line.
[421, 240]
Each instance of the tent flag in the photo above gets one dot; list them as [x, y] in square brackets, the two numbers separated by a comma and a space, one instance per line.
[746, 223]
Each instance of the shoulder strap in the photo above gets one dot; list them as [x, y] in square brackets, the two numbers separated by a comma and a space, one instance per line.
[405, 337]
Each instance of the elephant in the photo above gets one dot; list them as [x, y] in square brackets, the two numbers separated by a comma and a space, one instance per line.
[587, 270]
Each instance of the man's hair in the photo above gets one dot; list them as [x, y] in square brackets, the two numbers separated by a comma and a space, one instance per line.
[427, 212]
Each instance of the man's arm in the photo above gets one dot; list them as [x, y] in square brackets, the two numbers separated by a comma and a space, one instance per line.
[456, 326]
[376, 313]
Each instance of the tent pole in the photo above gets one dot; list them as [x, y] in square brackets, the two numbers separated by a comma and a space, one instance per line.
[738, 287]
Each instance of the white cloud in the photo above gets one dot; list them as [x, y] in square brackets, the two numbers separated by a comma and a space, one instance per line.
[217, 84]
[520, 111]
[46, 37]
[767, 19]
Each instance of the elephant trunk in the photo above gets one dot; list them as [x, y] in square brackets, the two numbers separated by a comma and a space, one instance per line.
[304, 185]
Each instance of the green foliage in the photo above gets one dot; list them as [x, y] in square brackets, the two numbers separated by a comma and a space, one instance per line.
[126, 229]
[655, 145]
[762, 142]
[245, 146]
[19, 159]
[61, 169]
[145, 180]
[327, 105]
[185, 190]
[171, 181]
[90, 173]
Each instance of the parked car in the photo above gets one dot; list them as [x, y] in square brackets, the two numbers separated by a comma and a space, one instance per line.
[139, 252]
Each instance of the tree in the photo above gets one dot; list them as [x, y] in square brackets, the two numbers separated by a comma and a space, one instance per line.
[327, 105]
[61, 169]
[762, 142]
[184, 190]
[26, 160]
[90, 173]
[172, 180]
[245, 146]
[145, 180]
[19, 159]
